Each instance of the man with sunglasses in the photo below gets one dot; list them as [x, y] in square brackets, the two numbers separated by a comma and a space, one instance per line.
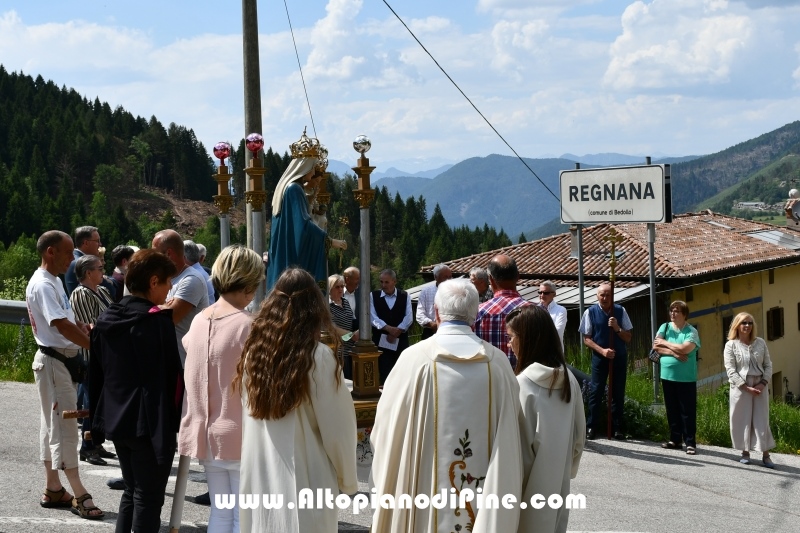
[547, 294]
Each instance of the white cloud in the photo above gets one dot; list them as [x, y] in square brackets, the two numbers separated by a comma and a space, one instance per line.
[796, 73]
[511, 36]
[335, 49]
[682, 76]
[676, 43]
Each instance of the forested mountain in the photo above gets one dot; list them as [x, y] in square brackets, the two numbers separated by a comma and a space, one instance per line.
[695, 181]
[769, 185]
[66, 160]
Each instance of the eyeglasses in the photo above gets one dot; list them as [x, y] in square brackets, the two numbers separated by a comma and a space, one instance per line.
[746, 323]
[95, 240]
[338, 286]
[674, 311]
[546, 292]
[98, 268]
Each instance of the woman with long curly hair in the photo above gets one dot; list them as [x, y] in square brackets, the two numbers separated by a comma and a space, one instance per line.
[554, 428]
[298, 425]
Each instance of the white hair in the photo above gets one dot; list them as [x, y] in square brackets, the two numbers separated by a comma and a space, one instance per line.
[550, 286]
[203, 249]
[457, 299]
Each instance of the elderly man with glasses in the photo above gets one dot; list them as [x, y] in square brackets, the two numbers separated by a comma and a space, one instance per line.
[547, 294]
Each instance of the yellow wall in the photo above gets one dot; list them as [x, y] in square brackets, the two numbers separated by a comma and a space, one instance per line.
[751, 293]
[785, 351]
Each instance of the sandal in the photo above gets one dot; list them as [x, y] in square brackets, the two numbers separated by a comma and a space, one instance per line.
[745, 460]
[671, 446]
[81, 510]
[690, 450]
[55, 499]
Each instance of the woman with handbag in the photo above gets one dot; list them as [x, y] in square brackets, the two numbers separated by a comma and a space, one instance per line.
[677, 343]
[88, 301]
[749, 371]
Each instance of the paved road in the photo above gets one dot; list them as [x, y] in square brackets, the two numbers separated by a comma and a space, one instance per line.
[629, 486]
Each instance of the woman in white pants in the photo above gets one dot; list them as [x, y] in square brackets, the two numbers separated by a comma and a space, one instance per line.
[211, 427]
[749, 371]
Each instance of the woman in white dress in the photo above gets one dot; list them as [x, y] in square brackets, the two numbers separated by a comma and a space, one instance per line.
[749, 371]
[554, 428]
[298, 424]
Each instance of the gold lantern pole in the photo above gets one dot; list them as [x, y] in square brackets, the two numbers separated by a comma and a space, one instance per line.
[366, 378]
[223, 199]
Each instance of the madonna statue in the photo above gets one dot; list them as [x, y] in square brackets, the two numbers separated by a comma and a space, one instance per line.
[295, 239]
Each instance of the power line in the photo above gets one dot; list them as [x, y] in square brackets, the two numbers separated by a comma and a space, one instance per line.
[468, 100]
[308, 102]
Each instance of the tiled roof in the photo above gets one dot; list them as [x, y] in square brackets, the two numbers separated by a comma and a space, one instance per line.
[694, 244]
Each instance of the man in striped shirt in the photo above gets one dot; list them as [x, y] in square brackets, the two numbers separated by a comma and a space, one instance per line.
[490, 325]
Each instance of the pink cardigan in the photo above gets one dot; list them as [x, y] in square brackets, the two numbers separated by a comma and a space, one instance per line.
[212, 412]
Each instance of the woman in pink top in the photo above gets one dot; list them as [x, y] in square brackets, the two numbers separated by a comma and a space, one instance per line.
[211, 426]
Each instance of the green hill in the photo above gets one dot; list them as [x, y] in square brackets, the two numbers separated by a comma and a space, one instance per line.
[696, 181]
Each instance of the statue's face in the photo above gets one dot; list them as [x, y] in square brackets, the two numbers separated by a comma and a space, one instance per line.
[312, 180]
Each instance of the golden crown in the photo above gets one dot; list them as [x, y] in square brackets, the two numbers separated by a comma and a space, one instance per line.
[310, 147]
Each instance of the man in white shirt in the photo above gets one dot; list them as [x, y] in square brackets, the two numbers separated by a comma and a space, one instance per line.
[188, 295]
[191, 255]
[426, 316]
[547, 294]
[450, 408]
[390, 312]
[352, 277]
[59, 337]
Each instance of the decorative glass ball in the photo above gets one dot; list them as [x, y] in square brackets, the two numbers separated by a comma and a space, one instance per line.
[222, 151]
[362, 144]
[254, 142]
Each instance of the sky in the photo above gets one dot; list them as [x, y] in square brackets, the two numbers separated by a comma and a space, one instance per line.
[658, 77]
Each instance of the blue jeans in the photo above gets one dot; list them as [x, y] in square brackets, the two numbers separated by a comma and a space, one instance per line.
[600, 366]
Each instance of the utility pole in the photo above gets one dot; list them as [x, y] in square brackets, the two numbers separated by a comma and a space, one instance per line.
[252, 94]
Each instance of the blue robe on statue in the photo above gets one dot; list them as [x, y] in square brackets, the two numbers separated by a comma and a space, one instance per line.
[295, 240]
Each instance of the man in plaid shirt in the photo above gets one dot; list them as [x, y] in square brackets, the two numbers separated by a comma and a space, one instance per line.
[490, 325]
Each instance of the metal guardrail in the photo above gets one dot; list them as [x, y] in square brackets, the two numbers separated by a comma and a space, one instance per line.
[14, 312]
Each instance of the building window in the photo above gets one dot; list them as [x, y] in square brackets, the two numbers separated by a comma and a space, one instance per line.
[772, 276]
[775, 323]
[690, 295]
[726, 286]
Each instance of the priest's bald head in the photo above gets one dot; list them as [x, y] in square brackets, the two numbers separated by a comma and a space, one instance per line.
[456, 299]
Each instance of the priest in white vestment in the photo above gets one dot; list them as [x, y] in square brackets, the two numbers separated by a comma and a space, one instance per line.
[448, 420]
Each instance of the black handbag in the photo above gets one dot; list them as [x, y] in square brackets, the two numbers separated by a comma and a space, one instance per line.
[654, 356]
[75, 365]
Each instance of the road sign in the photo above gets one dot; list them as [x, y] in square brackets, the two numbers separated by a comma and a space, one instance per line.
[616, 195]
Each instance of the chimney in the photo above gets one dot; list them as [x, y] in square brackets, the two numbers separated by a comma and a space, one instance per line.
[573, 241]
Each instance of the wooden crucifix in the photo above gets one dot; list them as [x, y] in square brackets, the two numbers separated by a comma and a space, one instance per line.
[613, 238]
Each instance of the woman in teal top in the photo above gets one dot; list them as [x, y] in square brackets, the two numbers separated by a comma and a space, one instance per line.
[677, 341]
